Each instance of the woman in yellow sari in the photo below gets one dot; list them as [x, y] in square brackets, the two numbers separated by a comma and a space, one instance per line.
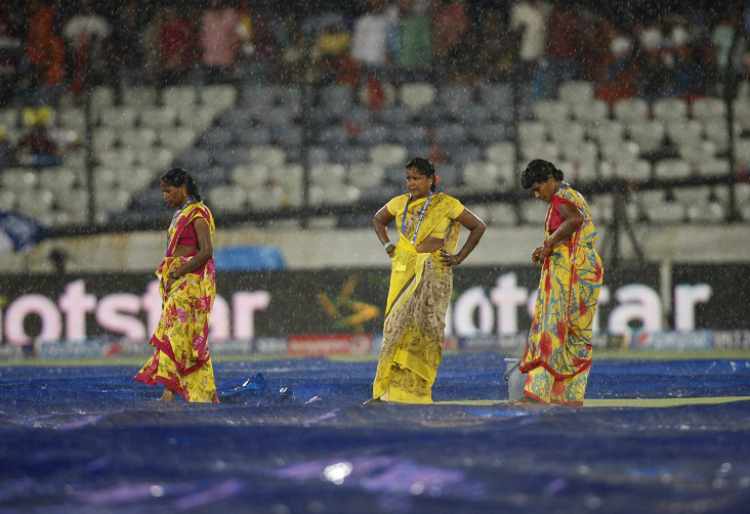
[187, 282]
[421, 283]
[557, 358]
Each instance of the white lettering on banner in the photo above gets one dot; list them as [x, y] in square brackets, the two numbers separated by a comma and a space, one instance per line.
[685, 298]
[472, 313]
[219, 329]
[120, 314]
[112, 315]
[639, 303]
[75, 303]
[245, 305]
[471, 301]
[25, 306]
[152, 305]
[508, 297]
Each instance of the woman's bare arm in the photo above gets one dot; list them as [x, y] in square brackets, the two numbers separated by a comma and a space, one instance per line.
[476, 229]
[380, 223]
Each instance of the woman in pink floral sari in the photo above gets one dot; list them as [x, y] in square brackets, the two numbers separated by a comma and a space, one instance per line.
[187, 280]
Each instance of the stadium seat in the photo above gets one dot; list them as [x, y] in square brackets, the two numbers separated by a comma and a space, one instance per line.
[104, 139]
[684, 132]
[591, 111]
[709, 108]
[139, 97]
[742, 152]
[670, 109]
[670, 169]
[177, 139]
[250, 176]
[483, 176]
[409, 134]
[216, 139]
[530, 132]
[540, 150]
[227, 199]
[393, 116]
[327, 175]
[455, 99]
[138, 138]
[347, 155]
[606, 131]
[218, 96]
[334, 135]
[271, 156]
[576, 92]
[582, 171]
[667, 212]
[373, 135]
[638, 170]
[179, 96]
[502, 214]
[533, 212]
[631, 110]
[566, 133]
[416, 96]
[551, 111]
[712, 167]
[71, 118]
[698, 153]
[625, 151]
[502, 153]
[120, 159]
[711, 212]
[8, 200]
[742, 113]
[716, 131]
[687, 195]
[497, 98]
[490, 133]
[365, 175]
[101, 98]
[450, 134]
[119, 117]
[57, 178]
[648, 134]
[158, 117]
[388, 155]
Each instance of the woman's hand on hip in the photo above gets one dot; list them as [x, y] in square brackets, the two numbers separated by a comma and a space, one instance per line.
[449, 259]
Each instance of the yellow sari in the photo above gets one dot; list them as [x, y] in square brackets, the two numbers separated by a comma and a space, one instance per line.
[418, 296]
[558, 352]
[181, 361]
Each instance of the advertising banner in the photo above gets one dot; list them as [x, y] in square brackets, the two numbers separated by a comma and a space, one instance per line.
[490, 306]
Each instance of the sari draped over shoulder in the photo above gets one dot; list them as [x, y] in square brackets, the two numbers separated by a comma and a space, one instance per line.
[558, 352]
[418, 297]
[181, 360]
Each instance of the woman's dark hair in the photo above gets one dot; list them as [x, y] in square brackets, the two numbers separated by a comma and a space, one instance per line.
[424, 167]
[539, 170]
[177, 177]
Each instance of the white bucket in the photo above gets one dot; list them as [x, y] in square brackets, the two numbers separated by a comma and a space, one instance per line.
[514, 378]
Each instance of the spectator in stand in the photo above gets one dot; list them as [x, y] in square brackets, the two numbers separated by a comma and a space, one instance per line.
[563, 43]
[85, 33]
[369, 41]
[6, 150]
[176, 45]
[686, 71]
[10, 55]
[219, 40]
[413, 37]
[331, 50]
[125, 49]
[37, 148]
[621, 78]
[653, 72]
[528, 20]
[45, 53]
[450, 24]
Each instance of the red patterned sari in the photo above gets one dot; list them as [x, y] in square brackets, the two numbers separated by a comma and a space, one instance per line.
[558, 353]
[181, 360]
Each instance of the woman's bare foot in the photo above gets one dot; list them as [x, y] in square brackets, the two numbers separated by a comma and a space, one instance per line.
[167, 396]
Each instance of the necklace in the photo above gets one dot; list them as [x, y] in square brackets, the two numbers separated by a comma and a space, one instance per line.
[420, 217]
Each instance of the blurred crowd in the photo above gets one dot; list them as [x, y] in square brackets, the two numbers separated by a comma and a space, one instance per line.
[49, 47]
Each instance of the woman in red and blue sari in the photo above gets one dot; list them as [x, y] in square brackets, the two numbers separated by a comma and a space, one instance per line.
[187, 282]
[557, 358]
